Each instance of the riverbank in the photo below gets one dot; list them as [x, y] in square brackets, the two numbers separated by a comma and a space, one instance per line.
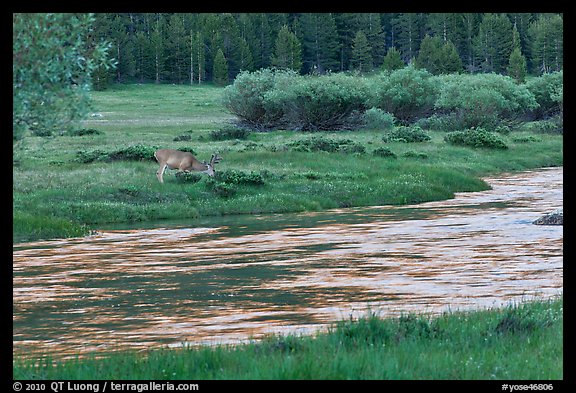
[68, 185]
[519, 342]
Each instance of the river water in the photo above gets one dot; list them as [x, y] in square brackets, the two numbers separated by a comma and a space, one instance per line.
[233, 279]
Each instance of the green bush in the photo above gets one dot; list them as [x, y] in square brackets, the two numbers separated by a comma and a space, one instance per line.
[83, 132]
[188, 177]
[133, 153]
[408, 93]
[547, 90]
[482, 100]
[247, 98]
[239, 177]
[86, 157]
[406, 134]
[476, 138]
[377, 119]
[322, 143]
[229, 133]
[384, 152]
[328, 102]
[268, 99]
[223, 190]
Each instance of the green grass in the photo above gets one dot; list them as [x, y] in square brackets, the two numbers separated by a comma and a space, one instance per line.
[521, 341]
[55, 194]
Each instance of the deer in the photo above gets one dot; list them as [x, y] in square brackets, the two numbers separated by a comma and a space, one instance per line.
[183, 161]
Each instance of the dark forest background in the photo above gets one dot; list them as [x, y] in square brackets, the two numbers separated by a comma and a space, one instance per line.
[208, 47]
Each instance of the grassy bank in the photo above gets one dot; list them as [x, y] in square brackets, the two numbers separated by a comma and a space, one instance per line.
[522, 341]
[67, 184]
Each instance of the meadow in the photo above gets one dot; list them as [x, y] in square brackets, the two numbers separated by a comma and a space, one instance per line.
[69, 184]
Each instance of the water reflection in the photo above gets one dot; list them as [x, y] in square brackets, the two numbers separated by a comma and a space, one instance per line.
[246, 276]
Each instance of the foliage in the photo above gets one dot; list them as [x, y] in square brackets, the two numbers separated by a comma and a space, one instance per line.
[408, 93]
[377, 119]
[247, 97]
[129, 153]
[231, 176]
[288, 50]
[53, 61]
[361, 53]
[329, 102]
[392, 60]
[322, 143]
[547, 90]
[438, 57]
[226, 133]
[406, 134]
[517, 66]
[483, 99]
[476, 138]
[273, 98]
[84, 132]
[384, 152]
[220, 71]
[181, 48]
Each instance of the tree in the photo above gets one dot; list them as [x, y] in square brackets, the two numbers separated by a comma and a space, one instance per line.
[392, 60]
[493, 44]
[288, 50]
[197, 57]
[361, 53]
[547, 44]
[517, 66]
[406, 30]
[220, 71]
[52, 65]
[320, 46]
[438, 57]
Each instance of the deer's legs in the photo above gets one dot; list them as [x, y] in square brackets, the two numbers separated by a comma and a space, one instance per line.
[160, 172]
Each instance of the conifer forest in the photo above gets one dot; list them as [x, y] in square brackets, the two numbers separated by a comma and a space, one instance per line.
[188, 48]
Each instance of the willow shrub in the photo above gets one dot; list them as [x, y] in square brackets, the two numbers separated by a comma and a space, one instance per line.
[408, 93]
[268, 99]
[482, 100]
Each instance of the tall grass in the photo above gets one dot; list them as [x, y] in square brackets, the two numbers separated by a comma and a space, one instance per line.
[520, 341]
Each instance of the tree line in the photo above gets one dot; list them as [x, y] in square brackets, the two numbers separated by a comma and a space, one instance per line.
[194, 48]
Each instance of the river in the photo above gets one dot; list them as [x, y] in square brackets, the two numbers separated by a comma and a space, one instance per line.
[232, 279]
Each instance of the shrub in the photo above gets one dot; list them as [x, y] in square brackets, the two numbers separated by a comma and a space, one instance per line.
[223, 190]
[133, 153]
[83, 132]
[329, 102]
[247, 98]
[86, 157]
[482, 100]
[384, 152]
[229, 133]
[406, 134]
[547, 91]
[321, 143]
[408, 93]
[377, 119]
[240, 177]
[267, 99]
[476, 138]
[188, 177]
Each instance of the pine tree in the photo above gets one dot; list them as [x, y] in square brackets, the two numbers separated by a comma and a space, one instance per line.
[320, 47]
[493, 44]
[288, 51]
[197, 57]
[361, 53]
[547, 44]
[220, 70]
[406, 29]
[392, 60]
[517, 65]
